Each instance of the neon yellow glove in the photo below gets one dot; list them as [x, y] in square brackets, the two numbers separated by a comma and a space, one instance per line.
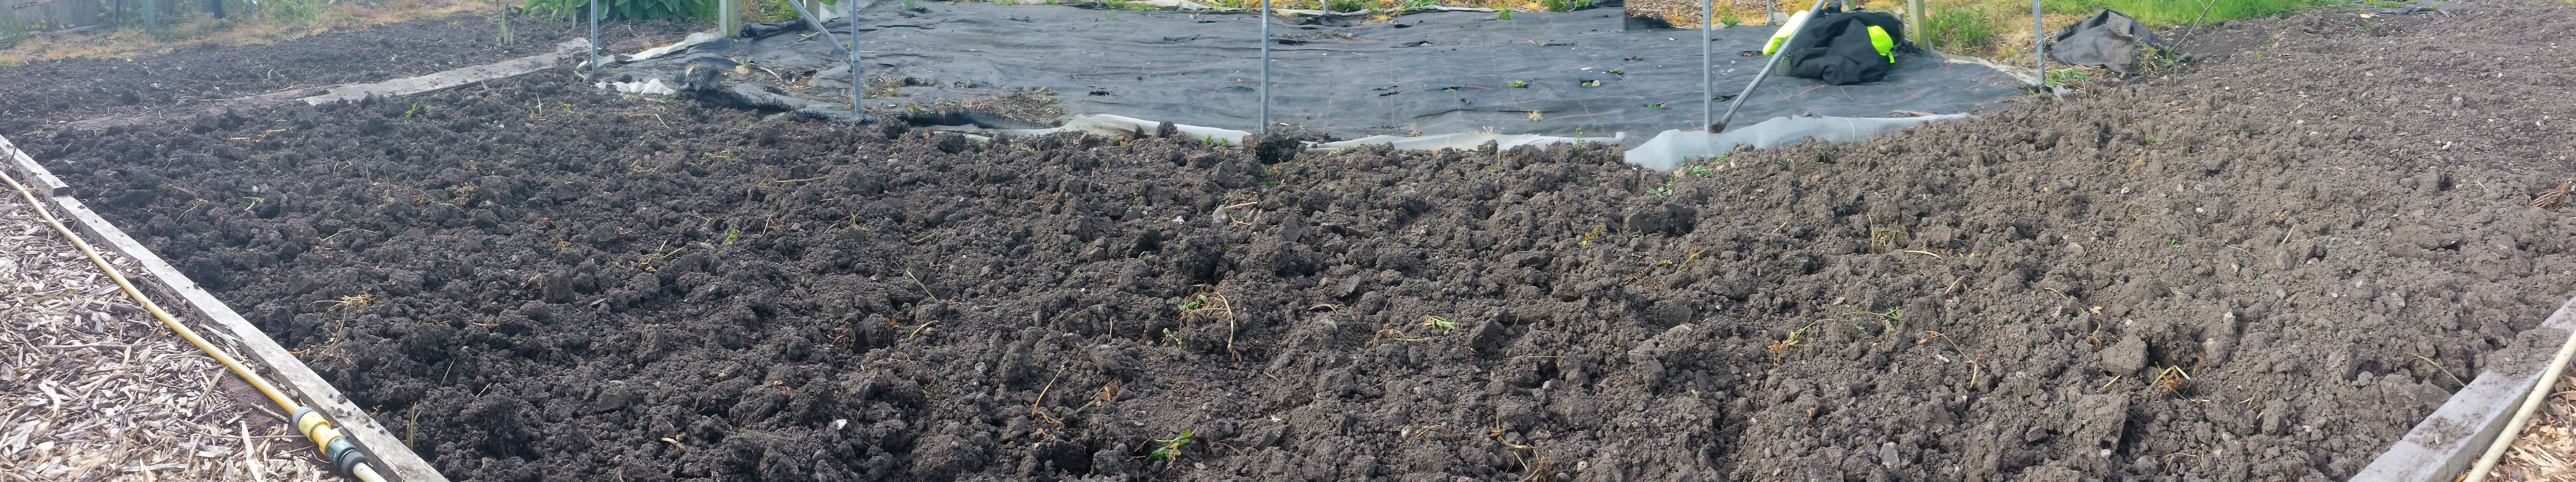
[1886, 46]
[1787, 29]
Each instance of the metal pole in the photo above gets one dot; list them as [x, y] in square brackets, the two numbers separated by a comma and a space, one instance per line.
[1265, 66]
[594, 35]
[1707, 79]
[1720, 125]
[151, 17]
[858, 77]
[730, 17]
[1914, 14]
[856, 73]
[2038, 45]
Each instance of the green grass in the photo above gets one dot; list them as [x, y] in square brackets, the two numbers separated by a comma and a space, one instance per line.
[1999, 29]
[1960, 26]
[2170, 13]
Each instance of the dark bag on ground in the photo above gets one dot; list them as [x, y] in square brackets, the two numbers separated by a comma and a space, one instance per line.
[2109, 40]
[1836, 47]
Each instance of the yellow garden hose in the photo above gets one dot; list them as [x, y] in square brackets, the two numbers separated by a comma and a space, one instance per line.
[333, 442]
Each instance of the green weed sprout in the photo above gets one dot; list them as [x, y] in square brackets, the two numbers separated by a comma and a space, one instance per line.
[1439, 323]
[1504, 14]
[1518, 84]
[1171, 447]
[1665, 190]
[1888, 318]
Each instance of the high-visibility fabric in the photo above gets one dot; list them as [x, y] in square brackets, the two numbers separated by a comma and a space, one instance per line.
[1886, 46]
[1844, 48]
[1796, 21]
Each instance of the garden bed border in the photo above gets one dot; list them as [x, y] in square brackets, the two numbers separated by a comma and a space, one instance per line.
[194, 305]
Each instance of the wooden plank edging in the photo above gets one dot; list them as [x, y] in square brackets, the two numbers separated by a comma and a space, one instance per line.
[452, 78]
[193, 304]
[2444, 444]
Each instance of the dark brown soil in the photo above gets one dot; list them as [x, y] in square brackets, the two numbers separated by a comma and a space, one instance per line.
[578, 286]
[52, 92]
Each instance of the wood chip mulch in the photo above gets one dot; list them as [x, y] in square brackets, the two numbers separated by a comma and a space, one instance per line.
[2547, 449]
[92, 388]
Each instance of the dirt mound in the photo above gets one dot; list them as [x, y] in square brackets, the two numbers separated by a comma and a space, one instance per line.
[578, 286]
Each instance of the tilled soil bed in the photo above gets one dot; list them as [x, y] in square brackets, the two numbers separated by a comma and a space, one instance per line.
[2327, 232]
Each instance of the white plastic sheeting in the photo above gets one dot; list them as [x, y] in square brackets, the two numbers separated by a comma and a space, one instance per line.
[1112, 125]
[652, 86]
[694, 38]
[1669, 149]
[1463, 141]
[1663, 153]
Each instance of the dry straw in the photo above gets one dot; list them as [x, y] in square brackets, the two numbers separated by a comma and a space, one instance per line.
[93, 389]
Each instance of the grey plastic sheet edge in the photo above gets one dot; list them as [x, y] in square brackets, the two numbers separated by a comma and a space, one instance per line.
[1664, 152]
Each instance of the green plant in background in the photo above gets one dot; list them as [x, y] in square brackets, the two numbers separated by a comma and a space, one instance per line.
[2066, 75]
[2169, 13]
[1728, 18]
[1565, 5]
[1345, 6]
[292, 11]
[1504, 14]
[624, 9]
[1959, 28]
[1411, 5]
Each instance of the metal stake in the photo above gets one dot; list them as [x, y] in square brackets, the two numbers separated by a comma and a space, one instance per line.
[858, 77]
[151, 17]
[1265, 66]
[1914, 13]
[594, 35]
[1720, 125]
[729, 17]
[1707, 79]
[2038, 45]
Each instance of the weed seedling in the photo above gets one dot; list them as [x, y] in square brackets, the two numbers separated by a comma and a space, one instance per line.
[1504, 14]
[1702, 170]
[1618, 71]
[1439, 323]
[1170, 450]
[1887, 319]
[730, 236]
[1892, 314]
[1518, 84]
[1594, 234]
[360, 300]
[1665, 190]
[1796, 339]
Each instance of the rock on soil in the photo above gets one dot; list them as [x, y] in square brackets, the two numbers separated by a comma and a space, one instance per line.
[579, 286]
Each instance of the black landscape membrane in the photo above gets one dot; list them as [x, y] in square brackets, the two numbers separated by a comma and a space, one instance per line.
[1554, 73]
